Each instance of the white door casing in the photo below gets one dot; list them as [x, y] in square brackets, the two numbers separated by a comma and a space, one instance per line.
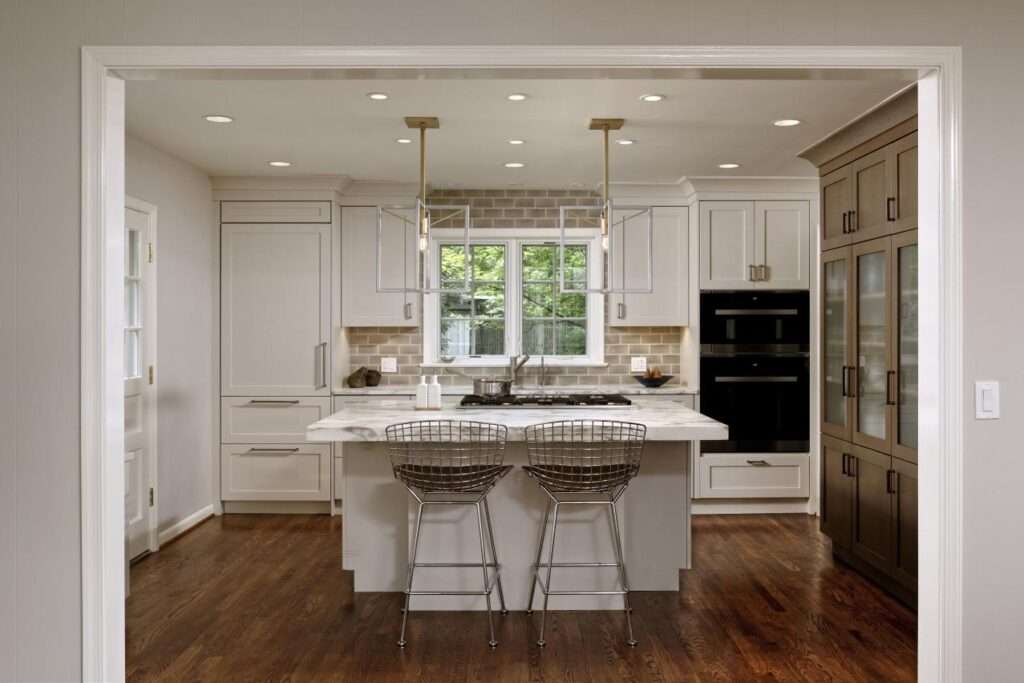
[940, 640]
[140, 404]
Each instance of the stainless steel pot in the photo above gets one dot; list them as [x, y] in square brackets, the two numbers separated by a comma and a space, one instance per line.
[492, 387]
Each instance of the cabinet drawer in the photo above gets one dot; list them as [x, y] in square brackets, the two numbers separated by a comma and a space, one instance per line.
[741, 475]
[275, 212]
[289, 472]
[269, 419]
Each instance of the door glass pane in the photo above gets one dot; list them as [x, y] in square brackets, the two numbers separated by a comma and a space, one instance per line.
[907, 431]
[872, 333]
[131, 354]
[835, 341]
[134, 253]
[132, 303]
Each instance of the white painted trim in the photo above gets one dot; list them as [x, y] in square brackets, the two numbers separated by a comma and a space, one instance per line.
[940, 205]
[182, 525]
[729, 506]
[102, 380]
[150, 339]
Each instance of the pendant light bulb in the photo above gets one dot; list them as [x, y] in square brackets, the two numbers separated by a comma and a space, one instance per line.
[424, 230]
[604, 230]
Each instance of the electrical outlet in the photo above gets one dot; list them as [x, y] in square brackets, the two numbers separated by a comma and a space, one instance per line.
[389, 365]
[638, 363]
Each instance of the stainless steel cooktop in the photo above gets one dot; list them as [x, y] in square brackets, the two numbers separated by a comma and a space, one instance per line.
[547, 401]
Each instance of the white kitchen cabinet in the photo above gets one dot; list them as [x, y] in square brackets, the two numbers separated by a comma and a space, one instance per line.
[276, 472]
[275, 309]
[727, 245]
[275, 212]
[762, 475]
[782, 247]
[278, 419]
[754, 245]
[361, 304]
[668, 303]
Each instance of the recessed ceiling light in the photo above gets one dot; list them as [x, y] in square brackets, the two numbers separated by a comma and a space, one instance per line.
[403, 141]
[729, 165]
[517, 97]
[377, 95]
[626, 141]
[517, 142]
[218, 118]
[514, 164]
[652, 98]
[786, 123]
[279, 164]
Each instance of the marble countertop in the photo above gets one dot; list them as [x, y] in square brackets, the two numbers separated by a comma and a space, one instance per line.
[635, 389]
[667, 419]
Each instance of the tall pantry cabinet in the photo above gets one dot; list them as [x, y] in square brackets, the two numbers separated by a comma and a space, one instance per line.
[869, 371]
[275, 361]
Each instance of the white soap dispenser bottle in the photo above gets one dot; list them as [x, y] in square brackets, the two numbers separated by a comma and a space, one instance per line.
[433, 393]
[422, 394]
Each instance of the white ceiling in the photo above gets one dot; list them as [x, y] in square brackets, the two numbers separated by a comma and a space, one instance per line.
[332, 128]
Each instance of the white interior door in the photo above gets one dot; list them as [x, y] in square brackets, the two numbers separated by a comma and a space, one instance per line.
[139, 378]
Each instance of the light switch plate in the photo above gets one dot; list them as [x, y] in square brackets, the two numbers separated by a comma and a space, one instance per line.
[986, 400]
[638, 363]
[389, 365]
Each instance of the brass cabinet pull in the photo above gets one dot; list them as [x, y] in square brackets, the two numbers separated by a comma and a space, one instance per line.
[759, 463]
[621, 308]
[763, 270]
[408, 311]
[321, 362]
[753, 272]
[273, 402]
[271, 451]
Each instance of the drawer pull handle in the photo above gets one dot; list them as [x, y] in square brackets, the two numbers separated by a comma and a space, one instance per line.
[273, 402]
[271, 451]
[759, 463]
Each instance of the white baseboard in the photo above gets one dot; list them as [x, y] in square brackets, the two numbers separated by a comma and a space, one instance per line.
[181, 526]
[749, 507]
[276, 507]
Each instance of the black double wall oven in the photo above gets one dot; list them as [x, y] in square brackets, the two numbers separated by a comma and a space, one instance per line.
[755, 370]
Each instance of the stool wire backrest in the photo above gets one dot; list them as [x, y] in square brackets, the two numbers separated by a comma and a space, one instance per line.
[446, 455]
[585, 455]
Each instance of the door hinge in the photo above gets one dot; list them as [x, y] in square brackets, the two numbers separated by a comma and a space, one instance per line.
[149, 246]
[151, 495]
[150, 374]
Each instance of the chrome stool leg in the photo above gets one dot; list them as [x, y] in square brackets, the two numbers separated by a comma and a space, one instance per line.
[494, 555]
[412, 568]
[540, 549]
[483, 565]
[546, 588]
[617, 540]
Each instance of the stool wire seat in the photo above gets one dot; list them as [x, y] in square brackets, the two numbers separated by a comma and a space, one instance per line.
[451, 462]
[582, 462]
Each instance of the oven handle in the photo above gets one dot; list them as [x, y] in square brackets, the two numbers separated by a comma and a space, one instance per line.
[756, 311]
[757, 379]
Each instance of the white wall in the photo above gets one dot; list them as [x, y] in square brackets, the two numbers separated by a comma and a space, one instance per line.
[39, 258]
[186, 236]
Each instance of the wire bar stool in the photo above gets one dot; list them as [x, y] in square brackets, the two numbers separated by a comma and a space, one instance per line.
[582, 462]
[451, 462]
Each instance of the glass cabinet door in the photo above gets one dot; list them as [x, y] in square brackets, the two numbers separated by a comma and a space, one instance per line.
[904, 389]
[872, 384]
[836, 315]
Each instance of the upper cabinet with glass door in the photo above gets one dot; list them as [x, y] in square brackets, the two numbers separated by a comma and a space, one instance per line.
[903, 378]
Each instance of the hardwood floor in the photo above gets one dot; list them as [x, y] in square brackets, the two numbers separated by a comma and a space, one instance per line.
[263, 598]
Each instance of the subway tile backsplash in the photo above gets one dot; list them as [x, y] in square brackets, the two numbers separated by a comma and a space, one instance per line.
[519, 208]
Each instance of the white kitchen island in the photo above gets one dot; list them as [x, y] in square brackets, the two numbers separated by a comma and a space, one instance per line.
[378, 514]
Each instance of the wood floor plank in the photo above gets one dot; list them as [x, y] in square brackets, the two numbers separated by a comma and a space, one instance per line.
[263, 598]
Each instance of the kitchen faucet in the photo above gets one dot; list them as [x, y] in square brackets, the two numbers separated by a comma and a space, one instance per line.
[515, 364]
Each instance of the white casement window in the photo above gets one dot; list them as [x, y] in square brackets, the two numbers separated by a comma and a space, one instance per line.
[514, 305]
